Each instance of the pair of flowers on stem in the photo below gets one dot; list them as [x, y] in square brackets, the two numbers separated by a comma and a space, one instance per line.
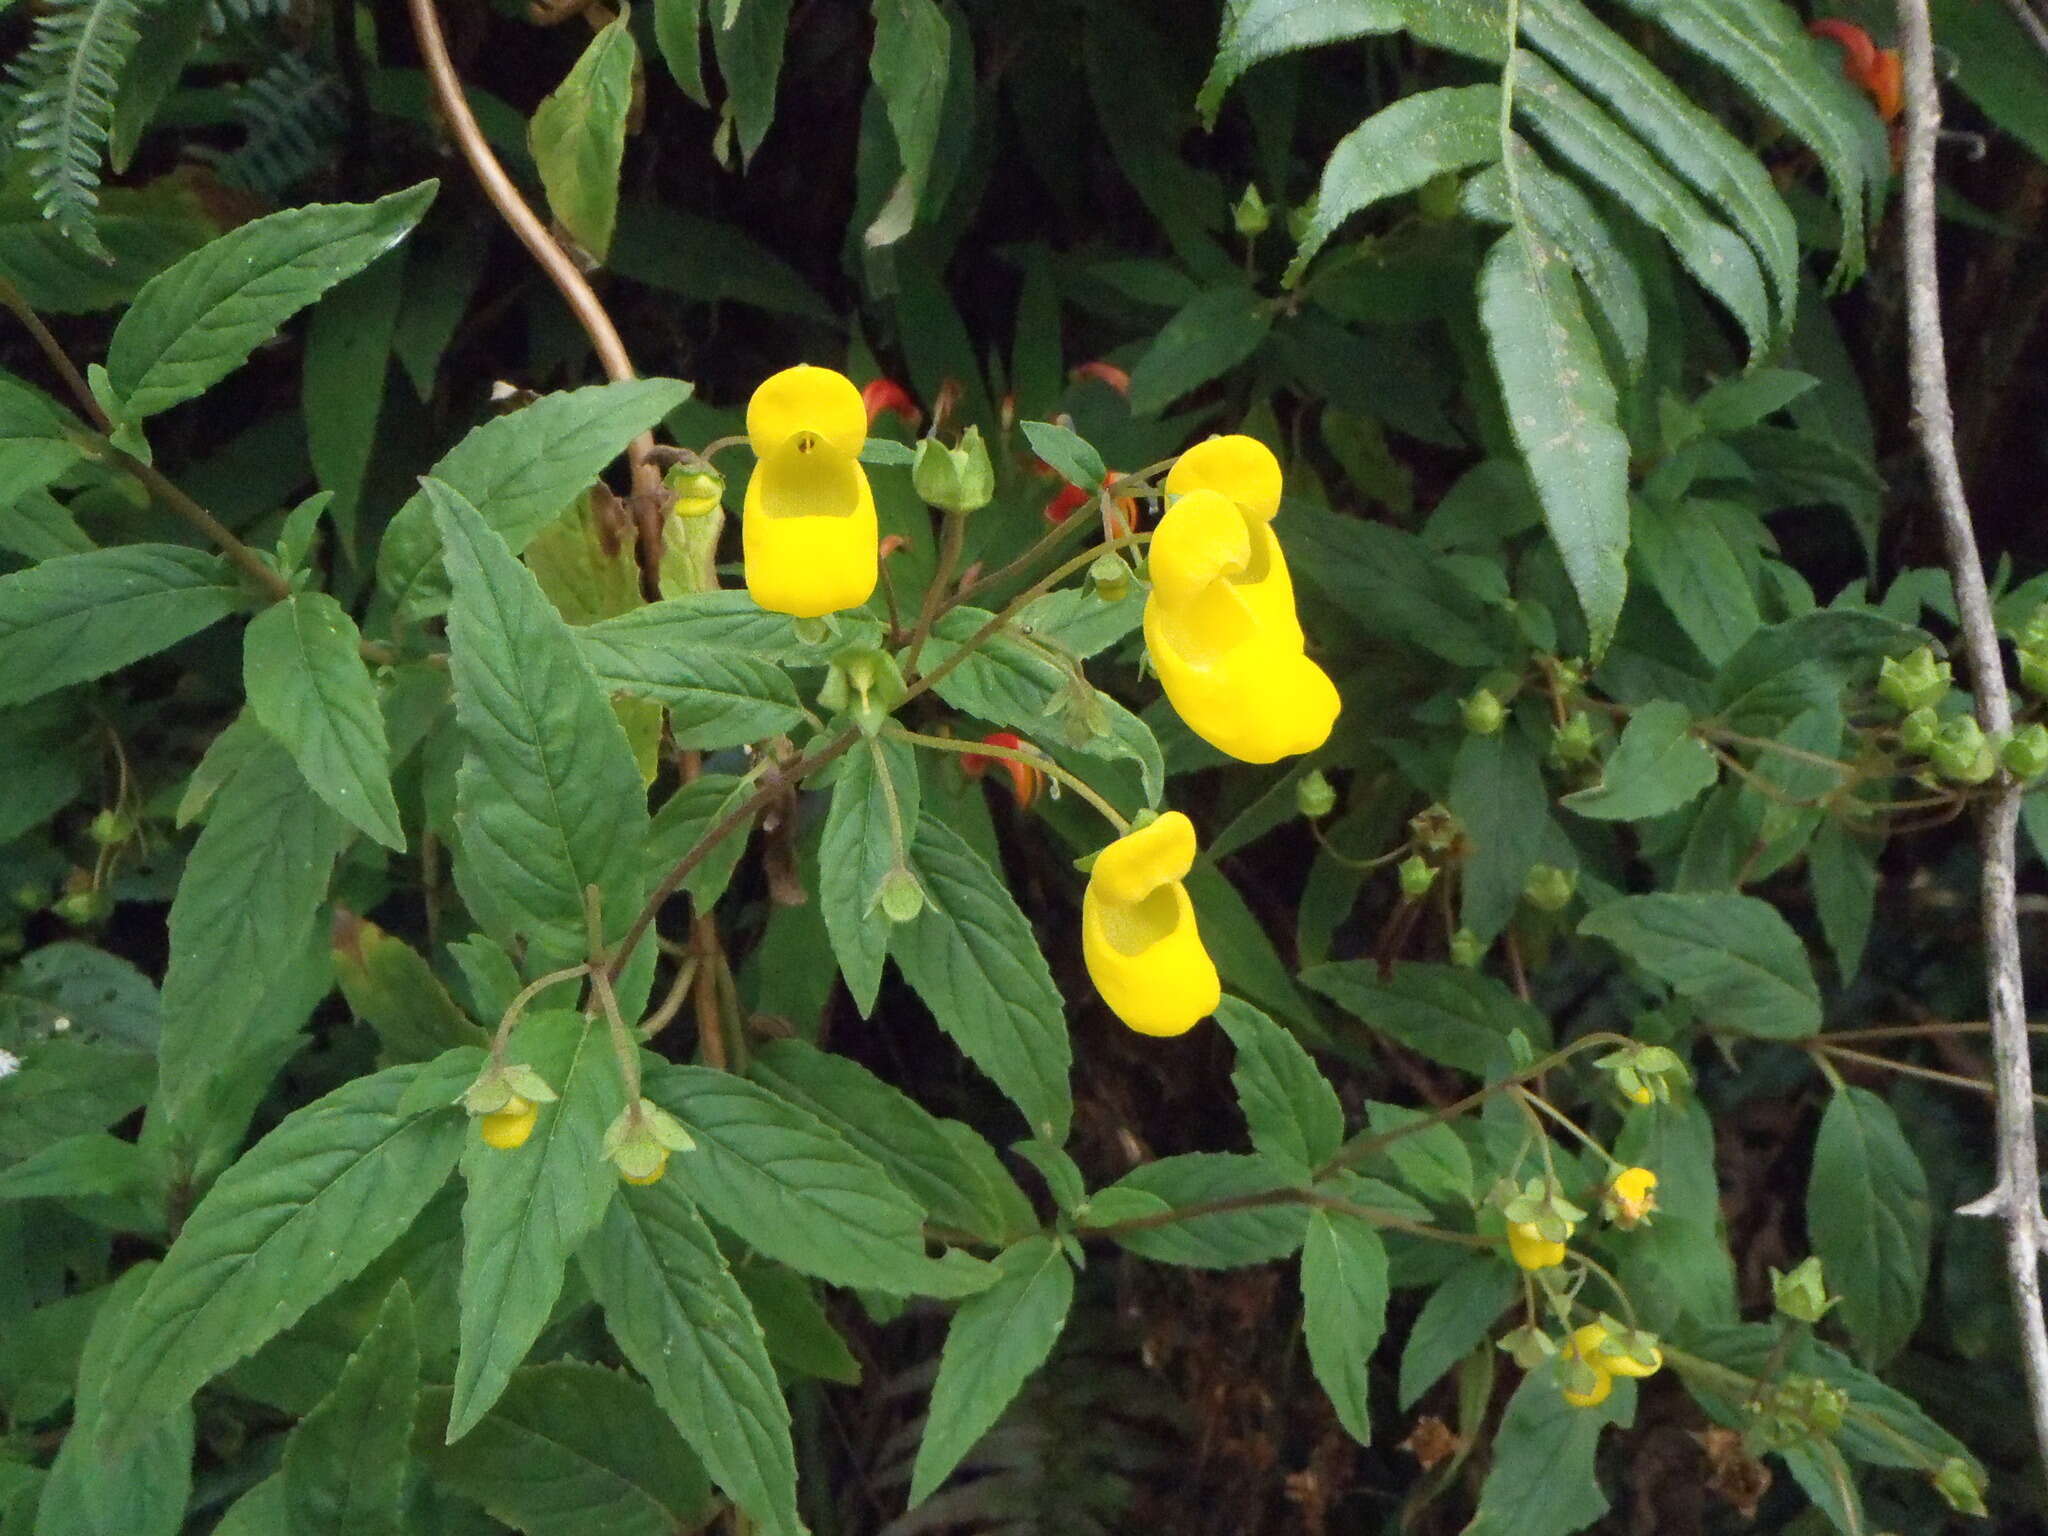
[1220, 628]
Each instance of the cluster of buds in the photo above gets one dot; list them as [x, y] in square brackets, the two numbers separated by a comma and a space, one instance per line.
[505, 1100]
[1645, 1074]
[1795, 1410]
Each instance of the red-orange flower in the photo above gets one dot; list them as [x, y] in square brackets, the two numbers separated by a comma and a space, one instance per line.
[881, 396]
[1072, 498]
[1877, 72]
[1024, 779]
[1108, 373]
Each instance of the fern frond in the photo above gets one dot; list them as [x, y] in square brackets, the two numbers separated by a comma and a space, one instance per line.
[223, 14]
[62, 108]
[293, 116]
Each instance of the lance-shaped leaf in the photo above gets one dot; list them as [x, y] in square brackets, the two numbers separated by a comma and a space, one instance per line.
[345, 1465]
[1256, 30]
[863, 840]
[1344, 1309]
[578, 136]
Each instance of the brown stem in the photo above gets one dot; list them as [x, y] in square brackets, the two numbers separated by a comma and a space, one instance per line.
[53, 349]
[251, 564]
[575, 289]
[2017, 1195]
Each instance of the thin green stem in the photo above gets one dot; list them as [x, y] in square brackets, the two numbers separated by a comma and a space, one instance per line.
[1039, 761]
[951, 542]
[1537, 1102]
[1593, 1266]
[526, 995]
[624, 1046]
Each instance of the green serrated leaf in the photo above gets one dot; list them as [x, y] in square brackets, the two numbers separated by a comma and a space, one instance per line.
[521, 471]
[308, 687]
[345, 1464]
[1073, 456]
[196, 323]
[348, 347]
[578, 137]
[530, 1206]
[683, 1322]
[1734, 957]
[550, 800]
[572, 1448]
[81, 616]
[1868, 1215]
[1541, 1482]
[1691, 565]
[393, 990]
[1344, 1310]
[1396, 150]
[243, 916]
[971, 955]
[1842, 869]
[679, 34]
[1226, 1239]
[1210, 335]
[862, 842]
[1456, 1318]
[748, 41]
[1498, 796]
[1458, 1017]
[1562, 412]
[714, 700]
[908, 64]
[791, 1187]
[1293, 1111]
[996, 1340]
[1257, 30]
[304, 1210]
[1658, 767]
[1432, 1161]
[912, 1146]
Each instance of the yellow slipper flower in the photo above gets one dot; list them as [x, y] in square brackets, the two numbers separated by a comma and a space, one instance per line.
[1138, 933]
[809, 530]
[1243, 470]
[1232, 671]
[1530, 1249]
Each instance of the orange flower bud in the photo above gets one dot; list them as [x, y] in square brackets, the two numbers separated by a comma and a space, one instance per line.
[1024, 779]
[883, 396]
[1108, 373]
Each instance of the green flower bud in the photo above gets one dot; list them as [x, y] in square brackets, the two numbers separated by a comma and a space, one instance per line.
[1550, 889]
[864, 682]
[82, 909]
[899, 895]
[2026, 754]
[1436, 829]
[1802, 1293]
[1528, 1346]
[1914, 682]
[1572, 742]
[109, 828]
[1110, 577]
[1962, 753]
[1314, 797]
[696, 491]
[1961, 1486]
[1918, 730]
[500, 1083]
[1483, 712]
[1251, 216]
[954, 479]
[1417, 876]
[2034, 671]
[1466, 950]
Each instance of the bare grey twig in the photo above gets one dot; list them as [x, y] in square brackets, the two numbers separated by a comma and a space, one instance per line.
[2017, 1196]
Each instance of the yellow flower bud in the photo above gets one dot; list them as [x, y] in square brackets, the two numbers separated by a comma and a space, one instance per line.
[509, 1127]
[1223, 637]
[1599, 1349]
[657, 1165]
[1138, 933]
[1632, 1196]
[809, 532]
[1592, 1396]
[1531, 1249]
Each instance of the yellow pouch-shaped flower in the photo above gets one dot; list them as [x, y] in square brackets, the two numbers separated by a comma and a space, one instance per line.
[808, 530]
[1232, 671]
[1138, 932]
[1244, 472]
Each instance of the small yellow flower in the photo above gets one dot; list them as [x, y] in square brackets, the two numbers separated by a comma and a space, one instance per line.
[1222, 634]
[1531, 1249]
[657, 1167]
[1138, 932]
[1601, 1350]
[1632, 1196]
[1593, 1396]
[808, 531]
[1642, 1093]
[1583, 1377]
[509, 1127]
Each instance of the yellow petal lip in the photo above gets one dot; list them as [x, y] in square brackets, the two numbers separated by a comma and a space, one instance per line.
[1202, 539]
[809, 555]
[1139, 936]
[1592, 1344]
[1241, 468]
[1259, 701]
[508, 1128]
[1603, 1387]
[1531, 1249]
[1139, 862]
[807, 400]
